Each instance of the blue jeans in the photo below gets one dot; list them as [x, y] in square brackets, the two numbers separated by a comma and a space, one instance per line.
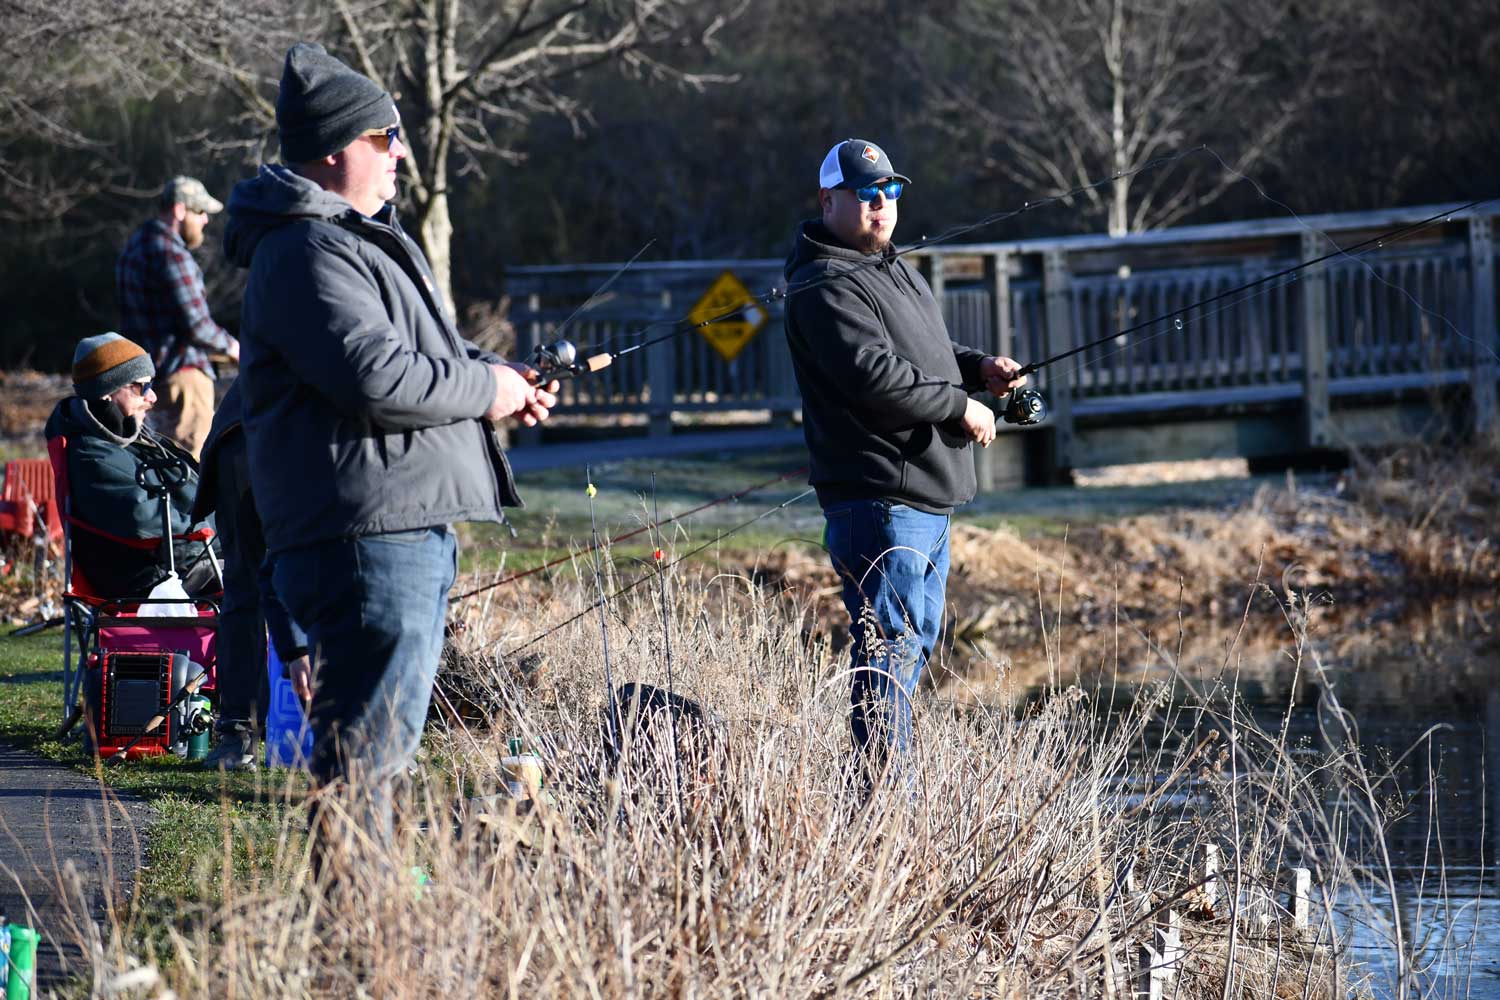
[893, 561]
[373, 608]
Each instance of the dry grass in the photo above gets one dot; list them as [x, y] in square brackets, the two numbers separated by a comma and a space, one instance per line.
[1026, 854]
[1418, 522]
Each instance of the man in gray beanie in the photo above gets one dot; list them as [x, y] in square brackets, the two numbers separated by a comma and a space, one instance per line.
[108, 443]
[370, 427]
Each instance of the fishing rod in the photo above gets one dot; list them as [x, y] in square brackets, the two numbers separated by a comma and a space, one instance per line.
[561, 359]
[1028, 406]
[1175, 314]
[1024, 406]
[558, 361]
[661, 568]
[657, 524]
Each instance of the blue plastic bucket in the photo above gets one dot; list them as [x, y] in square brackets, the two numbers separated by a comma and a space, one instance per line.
[289, 739]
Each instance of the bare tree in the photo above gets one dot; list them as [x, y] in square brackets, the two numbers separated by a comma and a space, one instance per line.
[66, 65]
[467, 73]
[1058, 95]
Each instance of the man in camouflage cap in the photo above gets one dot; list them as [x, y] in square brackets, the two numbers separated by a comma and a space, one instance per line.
[163, 308]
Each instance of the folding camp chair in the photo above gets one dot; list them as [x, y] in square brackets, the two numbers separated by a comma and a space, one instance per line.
[134, 654]
[27, 496]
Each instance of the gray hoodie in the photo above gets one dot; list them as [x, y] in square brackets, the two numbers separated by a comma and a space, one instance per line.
[362, 404]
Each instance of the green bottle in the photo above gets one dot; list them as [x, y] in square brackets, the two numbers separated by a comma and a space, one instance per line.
[200, 724]
[22, 980]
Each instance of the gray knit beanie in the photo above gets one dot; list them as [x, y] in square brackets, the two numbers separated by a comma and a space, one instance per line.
[324, 105]
[106, 362]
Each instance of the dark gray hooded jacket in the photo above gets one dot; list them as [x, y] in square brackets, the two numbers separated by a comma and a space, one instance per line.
[362, 404]
[106, 452]
[883, 386]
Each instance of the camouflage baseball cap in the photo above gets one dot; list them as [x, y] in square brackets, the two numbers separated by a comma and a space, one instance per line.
[190, 192]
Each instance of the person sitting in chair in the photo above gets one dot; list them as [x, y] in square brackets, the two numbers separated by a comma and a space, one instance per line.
[108, 446]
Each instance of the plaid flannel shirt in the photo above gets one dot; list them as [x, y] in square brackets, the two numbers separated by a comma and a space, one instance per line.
[162, 304]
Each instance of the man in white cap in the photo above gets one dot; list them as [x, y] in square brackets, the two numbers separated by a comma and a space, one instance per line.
[164, 309]
[889, 425]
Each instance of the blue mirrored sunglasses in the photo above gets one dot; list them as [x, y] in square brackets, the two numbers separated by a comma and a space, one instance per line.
[890, 191]
[142, 387]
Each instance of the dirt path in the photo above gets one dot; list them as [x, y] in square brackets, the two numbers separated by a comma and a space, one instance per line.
[51, 815]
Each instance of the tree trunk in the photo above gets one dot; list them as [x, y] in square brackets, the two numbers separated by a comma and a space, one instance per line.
[440, 64]
[436, 235]
[1119, 212]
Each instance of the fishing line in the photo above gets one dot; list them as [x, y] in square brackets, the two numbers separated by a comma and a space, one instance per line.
[594, 297]
[726, 498]
[1373, 273]
[1232, 297]
[1376, 242]
[685, 324]
[645, 577]
[553, 363]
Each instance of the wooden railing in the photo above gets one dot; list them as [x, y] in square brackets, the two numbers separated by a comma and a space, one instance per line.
[1417, 312]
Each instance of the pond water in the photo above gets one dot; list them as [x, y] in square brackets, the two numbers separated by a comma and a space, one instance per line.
[1443, 849]
[1423, 693]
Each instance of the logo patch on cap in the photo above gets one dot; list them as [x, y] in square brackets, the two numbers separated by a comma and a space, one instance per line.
[872, 154]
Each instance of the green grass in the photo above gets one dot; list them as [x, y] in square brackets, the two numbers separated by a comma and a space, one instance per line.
[31, 691]
[191, 805]
[557, 520]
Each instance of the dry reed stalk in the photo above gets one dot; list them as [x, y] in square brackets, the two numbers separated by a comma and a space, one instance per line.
[1029, 856]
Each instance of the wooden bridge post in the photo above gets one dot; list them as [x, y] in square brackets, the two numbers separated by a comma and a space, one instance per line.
[997, 280]
[936, 279]
[988, 461]
[1057, 283]
[1482, 278]
[661, 376]
[528, 335]
[1316, 425]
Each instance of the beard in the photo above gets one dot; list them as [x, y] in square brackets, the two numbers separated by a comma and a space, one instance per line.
[872, 243]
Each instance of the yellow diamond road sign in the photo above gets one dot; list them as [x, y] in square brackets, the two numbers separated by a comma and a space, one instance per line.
[728, 336]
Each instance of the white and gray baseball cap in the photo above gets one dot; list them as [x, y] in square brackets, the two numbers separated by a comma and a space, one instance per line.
[854, 163]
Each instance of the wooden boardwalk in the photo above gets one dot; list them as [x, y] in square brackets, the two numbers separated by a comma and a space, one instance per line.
[1360, 349]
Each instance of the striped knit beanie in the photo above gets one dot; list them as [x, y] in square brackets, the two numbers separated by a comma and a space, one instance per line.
[106, 362]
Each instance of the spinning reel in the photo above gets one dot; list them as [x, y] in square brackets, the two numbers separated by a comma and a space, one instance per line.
[559, 360]
[1025, 407]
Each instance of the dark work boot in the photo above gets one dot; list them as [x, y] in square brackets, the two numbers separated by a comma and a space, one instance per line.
[234, 749]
